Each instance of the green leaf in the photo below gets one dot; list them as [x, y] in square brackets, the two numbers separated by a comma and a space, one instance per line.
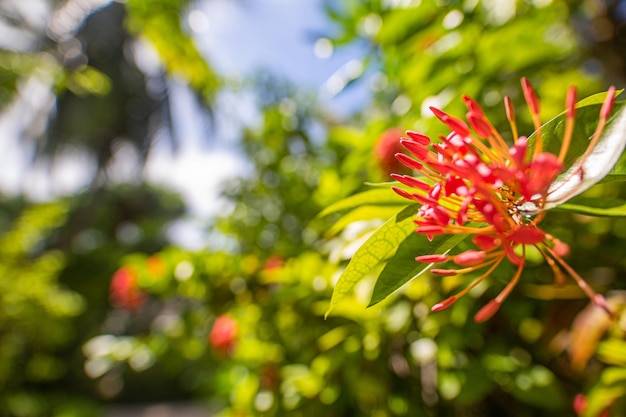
[612, 386]
[604, 160]
[587, 114]
[402, 267]
[362, 213]
[613, 176]
[377, 197]
[596, 165]
[613, 352]
[595, 99]
[594, 206]
[382, 244]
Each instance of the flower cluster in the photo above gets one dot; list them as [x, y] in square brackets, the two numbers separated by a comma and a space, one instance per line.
[471, 182]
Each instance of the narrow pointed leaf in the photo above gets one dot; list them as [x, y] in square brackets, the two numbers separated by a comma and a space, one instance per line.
[613, 176]
[402, 267]
[595, 99]
[380, 246]
[593, 206]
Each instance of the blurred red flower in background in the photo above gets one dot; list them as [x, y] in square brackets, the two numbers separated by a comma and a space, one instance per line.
[223, 335]
[124, 291]
[580, 405]
[274, 262]
[386, 147]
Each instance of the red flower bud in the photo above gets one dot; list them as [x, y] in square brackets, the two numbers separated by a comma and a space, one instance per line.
[487, 311]
[443, 304]
[444, 272]
[469, 257]
[431, 258]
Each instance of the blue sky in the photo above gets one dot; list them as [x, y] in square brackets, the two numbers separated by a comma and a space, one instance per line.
[278, 35]
[238, 38]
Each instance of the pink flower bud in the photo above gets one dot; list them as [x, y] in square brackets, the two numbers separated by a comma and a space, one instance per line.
[402, 193]
[469, 258]
[408, 162]
[570, 102]
[444, 272]
[487, 311]
[607, 106]
[510, 109]
[411, 181]
[418, 137]
[443, 304]
[479, 124]
[419, 150]
[561, 248]
[530, 96]
[456, 125]
[473, 106]
[439, 114]
[431, 258]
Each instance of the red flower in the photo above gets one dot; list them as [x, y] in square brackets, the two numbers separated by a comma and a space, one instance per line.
[473, 183]
[124, 292]
[223, 336]
[385, 148]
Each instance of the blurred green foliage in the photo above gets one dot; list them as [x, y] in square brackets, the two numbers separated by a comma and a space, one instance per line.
[104, 93]
[65, 345]
[36, 313]
[159, 22]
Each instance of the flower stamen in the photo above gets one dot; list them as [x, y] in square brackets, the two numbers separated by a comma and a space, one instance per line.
[451, 300]
[492, 307]
[596, 298]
